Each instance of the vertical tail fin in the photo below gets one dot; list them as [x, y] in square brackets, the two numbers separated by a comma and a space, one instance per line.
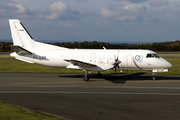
[20, 35]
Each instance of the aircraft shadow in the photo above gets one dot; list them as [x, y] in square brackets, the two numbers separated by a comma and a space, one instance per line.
[122, 78]
[166, 77]
[93, 77]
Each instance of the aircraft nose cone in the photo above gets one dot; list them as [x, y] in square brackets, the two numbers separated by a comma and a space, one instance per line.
[169, 65]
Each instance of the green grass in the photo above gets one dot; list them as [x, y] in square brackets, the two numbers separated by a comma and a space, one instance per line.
[176, 66]
[10, 112]
[17, 66]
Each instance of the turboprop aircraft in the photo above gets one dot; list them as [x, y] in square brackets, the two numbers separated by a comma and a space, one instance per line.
[28, 50]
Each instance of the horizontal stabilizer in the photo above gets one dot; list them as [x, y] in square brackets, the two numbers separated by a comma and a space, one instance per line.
[21, 51]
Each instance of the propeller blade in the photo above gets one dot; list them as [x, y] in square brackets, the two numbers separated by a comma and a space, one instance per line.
[115, 70]
[116, 64]
[117, 55]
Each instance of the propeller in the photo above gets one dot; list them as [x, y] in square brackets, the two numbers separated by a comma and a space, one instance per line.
[117, 62]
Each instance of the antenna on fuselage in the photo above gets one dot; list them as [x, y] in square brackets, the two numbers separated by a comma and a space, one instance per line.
[104, 48]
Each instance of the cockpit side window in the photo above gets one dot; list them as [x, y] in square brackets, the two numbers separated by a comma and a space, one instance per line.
[149, 55]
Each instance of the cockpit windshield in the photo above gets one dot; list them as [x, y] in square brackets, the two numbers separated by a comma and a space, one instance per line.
[156, 55]
[152, 55]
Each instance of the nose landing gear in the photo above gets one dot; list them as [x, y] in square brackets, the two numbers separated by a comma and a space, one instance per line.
[153, 75]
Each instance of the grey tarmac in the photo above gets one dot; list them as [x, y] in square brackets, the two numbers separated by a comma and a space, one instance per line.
[114, 96]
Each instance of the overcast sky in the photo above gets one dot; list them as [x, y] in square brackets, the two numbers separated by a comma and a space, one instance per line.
[114, 21]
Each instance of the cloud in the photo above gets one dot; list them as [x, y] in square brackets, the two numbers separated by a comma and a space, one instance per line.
[11, 10]
[133, 7]
[107, 13]
[158, 3]
[5, 10]
[119, 0]
[57, 9]
[131, 12]
[137, 1]
[127, 18]
[132, 1]
[67, 25]
[61, 11]
[20, 8]
[52, 16]
[81, 0]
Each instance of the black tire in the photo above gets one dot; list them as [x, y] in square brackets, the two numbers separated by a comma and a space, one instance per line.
[86, 78]
[154, 78]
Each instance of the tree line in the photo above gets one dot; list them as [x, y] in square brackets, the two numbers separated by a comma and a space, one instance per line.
[156, 46]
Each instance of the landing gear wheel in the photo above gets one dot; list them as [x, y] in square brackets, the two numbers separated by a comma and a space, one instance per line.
[154, 76]
[86, 78]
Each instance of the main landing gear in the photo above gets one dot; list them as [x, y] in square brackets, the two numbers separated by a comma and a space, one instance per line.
[86, 77]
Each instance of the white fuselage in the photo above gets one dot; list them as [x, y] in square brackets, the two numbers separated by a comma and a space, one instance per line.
[104, 59]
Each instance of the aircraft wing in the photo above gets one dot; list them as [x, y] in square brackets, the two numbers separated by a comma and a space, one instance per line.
[81, 64]
[21, 51]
